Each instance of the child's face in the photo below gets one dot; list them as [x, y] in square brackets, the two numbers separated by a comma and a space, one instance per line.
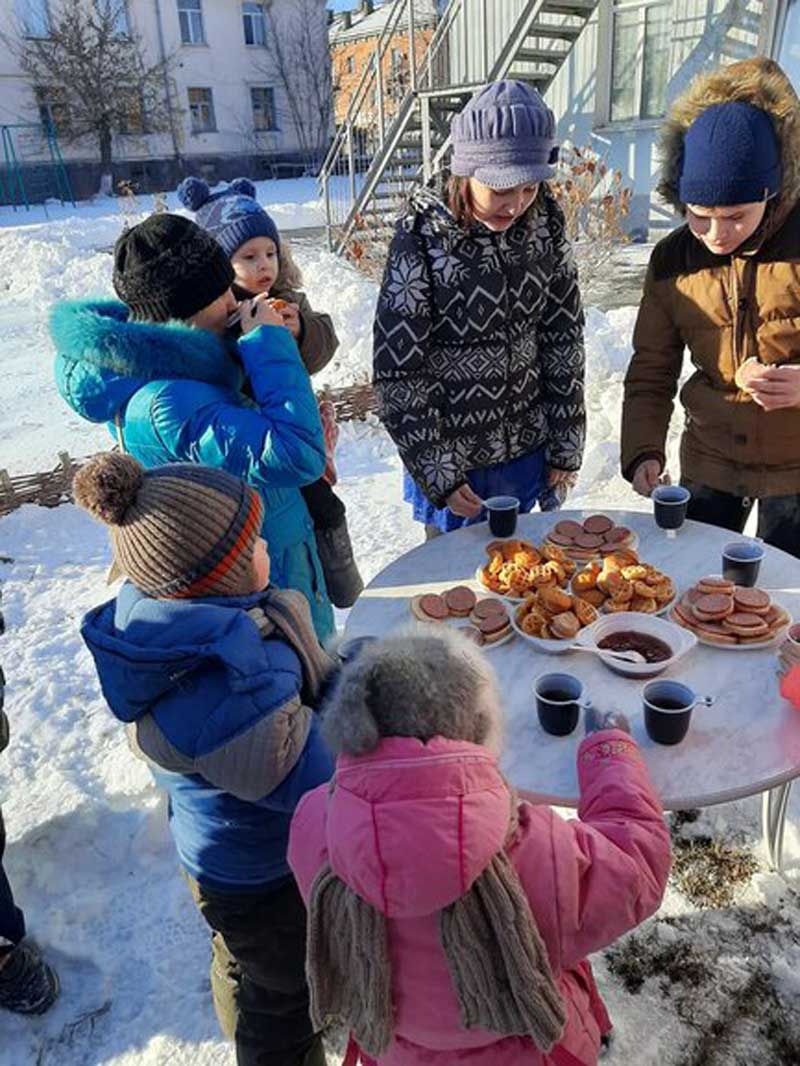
[215, 316]
[499, 209]
[260, 565]
[256, 264]
[723, 229]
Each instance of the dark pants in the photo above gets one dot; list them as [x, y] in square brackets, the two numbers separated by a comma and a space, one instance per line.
[12, 920]
[258, 974]
[778, 516]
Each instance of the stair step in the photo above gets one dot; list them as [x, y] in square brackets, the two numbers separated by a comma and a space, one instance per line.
[539, 55]
[533, 77]
[570, 7]
[556, 33]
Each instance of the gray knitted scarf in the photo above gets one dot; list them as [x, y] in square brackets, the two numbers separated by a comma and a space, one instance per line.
[495, 954]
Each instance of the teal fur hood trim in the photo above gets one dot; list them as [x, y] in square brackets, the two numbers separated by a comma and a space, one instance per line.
[103, 358]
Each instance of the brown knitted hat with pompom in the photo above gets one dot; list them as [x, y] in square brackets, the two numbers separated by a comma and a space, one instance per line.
[177, 531]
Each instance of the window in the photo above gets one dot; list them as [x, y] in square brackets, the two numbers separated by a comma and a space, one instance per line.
[129, 118]
[255, 28]
[262, 101]
[51, 100]
[190, 16]
[117, 11]
[640, 61]
[34, 17]
[398, 57]
[789, 51]
[350, 64]
[201, 110]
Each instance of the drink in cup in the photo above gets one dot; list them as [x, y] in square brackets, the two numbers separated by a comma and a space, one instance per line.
[503, 511]
[559, 699]
[668, 707]
[741, 561]
[669, 506]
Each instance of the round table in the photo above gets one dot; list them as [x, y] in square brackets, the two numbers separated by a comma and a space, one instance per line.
[747, 743]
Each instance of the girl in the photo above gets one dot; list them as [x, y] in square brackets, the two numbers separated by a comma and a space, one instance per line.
[478, 356]
[263, 265]
[446, 916]
[726, 285]
[159, 369]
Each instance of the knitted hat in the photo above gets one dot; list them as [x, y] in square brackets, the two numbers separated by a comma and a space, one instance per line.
[414, 684]
[731, 155]
[505, 136]
[177, 531]
[167, 267]
[233, 216]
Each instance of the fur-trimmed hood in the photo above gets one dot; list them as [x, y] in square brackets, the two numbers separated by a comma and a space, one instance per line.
[758, 81]
[103, 358]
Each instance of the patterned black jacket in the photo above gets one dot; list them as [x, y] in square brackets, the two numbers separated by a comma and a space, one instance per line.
[478, 343]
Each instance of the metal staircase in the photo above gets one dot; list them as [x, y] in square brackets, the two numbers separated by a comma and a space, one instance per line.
[397, 128]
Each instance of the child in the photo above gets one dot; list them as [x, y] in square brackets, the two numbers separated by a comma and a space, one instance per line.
[478, 352]
[216, 675]
[725, 286]
[263, 265]
[161, 371]
[446, 917]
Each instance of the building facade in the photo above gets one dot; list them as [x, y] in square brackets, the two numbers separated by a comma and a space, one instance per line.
[229, 101]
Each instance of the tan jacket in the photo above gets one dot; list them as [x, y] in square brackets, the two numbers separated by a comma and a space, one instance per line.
[723, 309]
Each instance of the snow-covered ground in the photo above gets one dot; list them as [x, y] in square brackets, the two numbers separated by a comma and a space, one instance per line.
[89, 853]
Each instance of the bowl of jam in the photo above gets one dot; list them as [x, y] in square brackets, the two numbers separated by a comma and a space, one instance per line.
[661, 643]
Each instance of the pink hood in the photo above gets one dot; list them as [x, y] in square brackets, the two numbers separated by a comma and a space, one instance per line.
[411, 826]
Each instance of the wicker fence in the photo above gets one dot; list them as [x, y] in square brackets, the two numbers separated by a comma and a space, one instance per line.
[53, 487]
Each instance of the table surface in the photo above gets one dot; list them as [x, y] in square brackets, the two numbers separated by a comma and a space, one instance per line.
[748, 741]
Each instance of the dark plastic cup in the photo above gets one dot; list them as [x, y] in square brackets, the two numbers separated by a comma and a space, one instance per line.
[502, 511]
[669, 505]
[741, 562]
[668, 707]
[559, 699]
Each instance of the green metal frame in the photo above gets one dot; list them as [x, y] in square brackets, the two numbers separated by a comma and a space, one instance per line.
[12, 188]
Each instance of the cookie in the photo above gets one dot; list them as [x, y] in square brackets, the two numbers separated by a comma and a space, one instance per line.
[560, 539]
[713, 607]
[714, 632]
[568, 528]
[588, 541]
[752, 601]
[745, 625]
[709, 585]
[565, 626]
[473, 635]
[618, 535]
[429, 608]
[598, 524]
[460, 601]
[485, 608]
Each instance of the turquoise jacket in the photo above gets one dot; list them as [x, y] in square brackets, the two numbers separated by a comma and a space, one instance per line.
[178, 394]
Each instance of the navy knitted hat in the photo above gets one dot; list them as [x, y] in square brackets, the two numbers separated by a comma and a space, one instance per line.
[505, 136]
[731, 155]
[233, 215]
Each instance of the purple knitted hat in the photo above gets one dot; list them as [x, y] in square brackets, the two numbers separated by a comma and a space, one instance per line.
[505, 136]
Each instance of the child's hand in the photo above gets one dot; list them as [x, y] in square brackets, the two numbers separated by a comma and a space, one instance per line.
[258, 312]
[290, 314]
[596, 720]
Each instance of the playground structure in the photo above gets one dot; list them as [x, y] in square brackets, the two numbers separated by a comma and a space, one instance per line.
[33, 169]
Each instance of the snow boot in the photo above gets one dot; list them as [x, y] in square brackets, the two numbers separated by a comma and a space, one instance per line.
[27, 984]
[342, 578]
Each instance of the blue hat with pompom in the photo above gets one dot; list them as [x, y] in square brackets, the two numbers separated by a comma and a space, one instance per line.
[233, 216]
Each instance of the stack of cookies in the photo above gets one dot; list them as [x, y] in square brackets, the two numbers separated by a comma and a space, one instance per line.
[553, 614]
[719, 612]
[623, 583]
[489, 621]
[517, 567]
[595, 537]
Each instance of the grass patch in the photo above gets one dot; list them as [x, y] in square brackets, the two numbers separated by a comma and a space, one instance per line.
[708, 872]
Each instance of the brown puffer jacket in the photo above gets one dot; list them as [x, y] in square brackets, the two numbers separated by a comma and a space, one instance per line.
[724, 309]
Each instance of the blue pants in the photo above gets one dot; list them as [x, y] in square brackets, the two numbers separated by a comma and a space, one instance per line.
[12, 920]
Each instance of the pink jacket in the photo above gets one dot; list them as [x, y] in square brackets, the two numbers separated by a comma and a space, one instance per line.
[411, 826]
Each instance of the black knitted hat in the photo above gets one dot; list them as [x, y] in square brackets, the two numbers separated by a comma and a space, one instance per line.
[168, 267]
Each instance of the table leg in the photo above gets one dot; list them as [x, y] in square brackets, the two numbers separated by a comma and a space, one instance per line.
[774, 804]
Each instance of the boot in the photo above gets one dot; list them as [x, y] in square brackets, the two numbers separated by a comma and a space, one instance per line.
[27, 984]
[339, 565]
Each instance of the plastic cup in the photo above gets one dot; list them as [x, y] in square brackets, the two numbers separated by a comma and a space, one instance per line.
[559, 700]
[502, 511]
[668, 707]
[670, 503]
[741, 562]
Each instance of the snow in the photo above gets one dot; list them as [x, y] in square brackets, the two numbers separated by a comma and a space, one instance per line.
[89, 855]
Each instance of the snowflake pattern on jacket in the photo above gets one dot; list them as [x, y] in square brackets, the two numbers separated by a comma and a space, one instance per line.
[478, 343]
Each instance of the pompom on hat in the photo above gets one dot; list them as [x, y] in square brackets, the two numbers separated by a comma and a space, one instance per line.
[505, 136]
[179, 531]
[233, 215]
[731, 155]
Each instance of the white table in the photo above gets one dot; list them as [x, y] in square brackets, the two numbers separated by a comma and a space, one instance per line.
[747, 743]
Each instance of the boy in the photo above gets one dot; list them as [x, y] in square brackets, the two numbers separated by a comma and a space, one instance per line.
[216, 674]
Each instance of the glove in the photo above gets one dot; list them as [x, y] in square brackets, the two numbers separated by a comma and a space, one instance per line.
[596, 720]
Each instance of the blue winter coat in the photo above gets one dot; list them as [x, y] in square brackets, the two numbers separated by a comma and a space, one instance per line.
[178, 393]
[219, 702]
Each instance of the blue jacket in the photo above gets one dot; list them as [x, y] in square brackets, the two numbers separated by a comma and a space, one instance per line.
[218, 694]
[178, 393]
